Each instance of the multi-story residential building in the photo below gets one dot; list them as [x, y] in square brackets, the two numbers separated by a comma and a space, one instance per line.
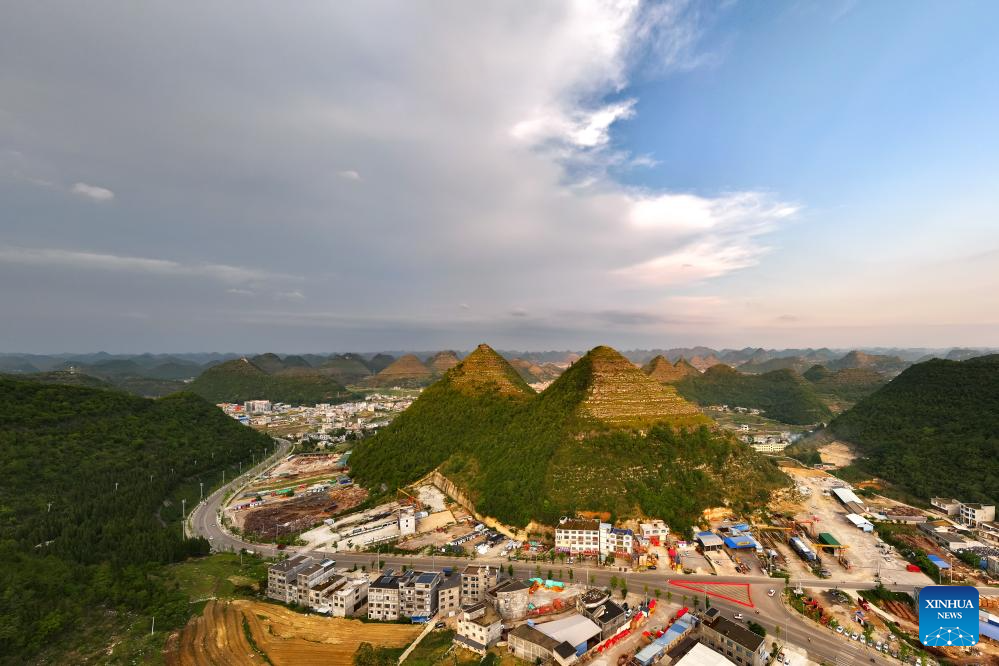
[348, 597]
[733, 640]
[313, 575]
[578, 537]
[383, 598]
[282, 578]
[975, 514]
[655, 530]
[475, 580]
[418, 594]
[449, 595]
[617, 542]
[257, 406]
[479, 628]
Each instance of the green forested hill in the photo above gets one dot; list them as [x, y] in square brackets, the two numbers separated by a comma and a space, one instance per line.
[93, 551]
[844, 387]
[603, 436]
[783, 395]
[240, 380]
[934, 430]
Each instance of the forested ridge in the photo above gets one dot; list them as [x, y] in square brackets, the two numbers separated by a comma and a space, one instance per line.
[99, 546]
[934, 430]
[783, 395]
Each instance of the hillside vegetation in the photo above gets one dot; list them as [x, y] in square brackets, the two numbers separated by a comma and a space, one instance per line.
[934, 430]
[782, 394]
[95, 551]
[240, 380]
[603, 436]
[844, 387]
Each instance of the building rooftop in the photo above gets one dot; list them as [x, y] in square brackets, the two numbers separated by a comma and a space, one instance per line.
[289, 564]
[509, 585]
[564, 650]
[579, 524]
[701, 655]
[477, 570]
[606, 612]
[528, 633]
[427, 578]
[332, 581]
[449, 582]
[737, 633]
[575, 629]
[385, 582]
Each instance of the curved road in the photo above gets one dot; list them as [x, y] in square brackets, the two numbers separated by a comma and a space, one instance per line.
[822, 644]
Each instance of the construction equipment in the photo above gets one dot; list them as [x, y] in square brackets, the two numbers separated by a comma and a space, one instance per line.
[404, 497]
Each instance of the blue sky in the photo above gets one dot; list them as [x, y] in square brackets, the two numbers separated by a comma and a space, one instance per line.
[386, 175]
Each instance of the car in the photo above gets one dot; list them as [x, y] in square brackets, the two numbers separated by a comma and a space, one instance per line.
[839, 630]
[771, 592]
[652, 567]
[855, 636]
[440, 625]
[877, 646]
[738, 616]
[787, 660]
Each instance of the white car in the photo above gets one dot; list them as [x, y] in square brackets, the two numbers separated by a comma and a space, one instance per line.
[839, 630]
[738, 616]
[771, 593]
[855, 636]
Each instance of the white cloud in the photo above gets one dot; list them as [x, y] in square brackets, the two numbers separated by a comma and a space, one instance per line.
[696, 262]
[349, 174]
[240, 292]
[92, 192]
[290, 296]
[75, 260]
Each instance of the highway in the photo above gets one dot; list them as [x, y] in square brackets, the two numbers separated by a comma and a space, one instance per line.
[822, 645]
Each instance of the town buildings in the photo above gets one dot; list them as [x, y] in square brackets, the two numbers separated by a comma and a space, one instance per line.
[733, 640]
[479, 628]
[475, 580]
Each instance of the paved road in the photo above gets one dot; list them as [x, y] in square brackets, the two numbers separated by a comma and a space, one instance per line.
[821, 643]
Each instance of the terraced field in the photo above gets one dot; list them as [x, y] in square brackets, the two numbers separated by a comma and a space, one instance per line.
[244, 633]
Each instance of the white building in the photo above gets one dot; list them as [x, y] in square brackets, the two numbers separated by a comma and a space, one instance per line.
[974, 515]
[348, 598]
[655, 528]
[617, 542]
[407, 523]
[578, 537]
[257, 406]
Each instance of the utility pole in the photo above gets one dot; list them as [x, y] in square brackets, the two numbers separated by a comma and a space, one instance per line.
[183, 516]
[152, 628]
[201, 484]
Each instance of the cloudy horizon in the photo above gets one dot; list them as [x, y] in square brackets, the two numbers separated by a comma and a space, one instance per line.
[405, 176]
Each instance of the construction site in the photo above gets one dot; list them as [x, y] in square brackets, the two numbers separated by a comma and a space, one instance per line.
[824, 534]
[299, 492]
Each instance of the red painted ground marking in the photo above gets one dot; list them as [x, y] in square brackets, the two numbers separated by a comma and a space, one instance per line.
[690, 586]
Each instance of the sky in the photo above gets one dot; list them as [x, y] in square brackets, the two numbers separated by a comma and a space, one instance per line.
[317, 176]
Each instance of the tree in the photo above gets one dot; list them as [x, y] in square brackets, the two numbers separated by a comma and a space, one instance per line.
[571, 576]
[669, 595]
[551, 575]
[697, 602]
[657, 592]
[613, 582]
[509, 570]
[593, 579]
[624, 592]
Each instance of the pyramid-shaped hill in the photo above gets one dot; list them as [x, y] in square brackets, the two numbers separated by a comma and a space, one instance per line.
[602, 437]
[406, 370]
[240, 380]
[612, 391]
[664, 372]
[465, 410]
[443, 361]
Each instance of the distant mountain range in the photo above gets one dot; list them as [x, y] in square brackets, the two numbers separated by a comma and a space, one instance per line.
[268, 377]
[602, 436]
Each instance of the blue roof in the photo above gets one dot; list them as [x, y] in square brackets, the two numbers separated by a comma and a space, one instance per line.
[648, 653]
[989, 630]
[937, 560]
[619, 530]
[741, 541]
